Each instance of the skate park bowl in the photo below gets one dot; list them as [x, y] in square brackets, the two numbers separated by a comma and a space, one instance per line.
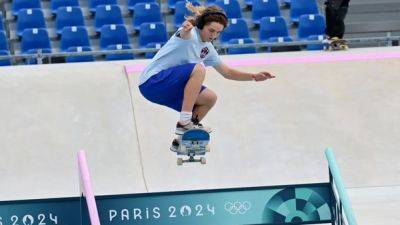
[267, 148]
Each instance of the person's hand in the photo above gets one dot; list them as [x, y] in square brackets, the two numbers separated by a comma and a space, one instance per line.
[261, 76]
[187, 26]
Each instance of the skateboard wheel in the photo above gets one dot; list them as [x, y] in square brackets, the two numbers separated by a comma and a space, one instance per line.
[183, 148]
[179, 161]
[203, 160]
[208, 148]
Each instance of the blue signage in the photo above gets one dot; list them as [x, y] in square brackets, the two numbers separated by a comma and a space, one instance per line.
[308, 203]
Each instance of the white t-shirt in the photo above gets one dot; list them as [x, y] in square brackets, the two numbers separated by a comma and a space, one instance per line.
[178, 51]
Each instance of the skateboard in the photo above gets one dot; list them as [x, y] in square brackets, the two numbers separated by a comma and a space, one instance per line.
[337, 44]
[191, 144]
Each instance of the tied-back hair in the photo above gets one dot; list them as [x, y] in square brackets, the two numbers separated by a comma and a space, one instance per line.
[198, 11]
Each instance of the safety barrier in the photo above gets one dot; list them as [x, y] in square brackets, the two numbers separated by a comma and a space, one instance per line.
[287, 204]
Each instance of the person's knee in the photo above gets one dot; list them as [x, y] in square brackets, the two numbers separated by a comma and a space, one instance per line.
[199, 70]
[212, 98]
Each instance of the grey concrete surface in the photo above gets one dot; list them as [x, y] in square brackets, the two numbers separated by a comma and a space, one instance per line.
[50, 112]
[376, 205]
[275, 132]
[268, 133]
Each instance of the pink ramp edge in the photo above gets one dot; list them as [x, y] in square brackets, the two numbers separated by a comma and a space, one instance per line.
[291, 60]
[87, 188]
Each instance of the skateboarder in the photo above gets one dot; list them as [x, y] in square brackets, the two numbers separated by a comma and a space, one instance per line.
[175, 75]
[335, 13]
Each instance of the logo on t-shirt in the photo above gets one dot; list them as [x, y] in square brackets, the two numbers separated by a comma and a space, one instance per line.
[204, 52]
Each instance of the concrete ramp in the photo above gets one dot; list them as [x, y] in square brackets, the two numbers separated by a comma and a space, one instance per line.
[275, 132]
[50, 112]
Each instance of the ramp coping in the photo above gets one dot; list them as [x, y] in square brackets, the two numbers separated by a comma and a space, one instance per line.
[87, 188]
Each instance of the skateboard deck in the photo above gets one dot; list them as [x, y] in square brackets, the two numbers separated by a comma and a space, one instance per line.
[191, 144]
[337, 44]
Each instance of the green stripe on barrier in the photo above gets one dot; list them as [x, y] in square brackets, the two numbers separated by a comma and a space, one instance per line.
[344, 199]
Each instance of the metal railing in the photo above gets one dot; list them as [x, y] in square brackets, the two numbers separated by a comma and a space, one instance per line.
[343, 202]
[40, 57]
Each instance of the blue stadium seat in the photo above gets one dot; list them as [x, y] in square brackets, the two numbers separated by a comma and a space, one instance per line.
[80, 58]
[152, 33]
[310, 25]
[113, 34]
[181, 11]
[132, 3]
[146, 13]
[34, 39]
[68, 17]
[121, 56]
[73, 37]
[3, 41]
[30, 18]
[264, 8]
[172, 4]
[231, 8]
[107, 14]
[246, 50]
[150, 55]
[315, 46]
[301, 7]
[94, 3]
[210, 2]
[55, 4]
[272, 27]
[237, 29]
[1, 22]
[24, 4]
[4, 50]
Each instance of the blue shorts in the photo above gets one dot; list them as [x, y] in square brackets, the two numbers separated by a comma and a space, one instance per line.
[167, 87]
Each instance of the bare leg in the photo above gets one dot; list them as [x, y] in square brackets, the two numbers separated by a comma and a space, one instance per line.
[205, 101]
[192, 88]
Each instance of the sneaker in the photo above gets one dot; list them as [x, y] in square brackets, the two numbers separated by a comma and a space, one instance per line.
[175, 145]
[180, 129]
[196, 122]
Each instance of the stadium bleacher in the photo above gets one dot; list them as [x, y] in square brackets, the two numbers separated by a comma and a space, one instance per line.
[264, 8]
[237, 29]
[113, 34]
[74, 37]
[107, 14]
[68, 16]
[30, 18]
[53, 15]
[17, 5]
[81, 58]
[55, 4]
[302, 7]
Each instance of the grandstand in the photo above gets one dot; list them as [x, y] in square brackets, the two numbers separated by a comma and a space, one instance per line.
[369, 23]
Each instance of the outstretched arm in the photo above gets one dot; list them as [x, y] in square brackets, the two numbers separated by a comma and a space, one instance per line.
[232, 74]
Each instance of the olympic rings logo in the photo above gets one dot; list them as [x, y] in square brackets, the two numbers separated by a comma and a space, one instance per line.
[237, 207]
